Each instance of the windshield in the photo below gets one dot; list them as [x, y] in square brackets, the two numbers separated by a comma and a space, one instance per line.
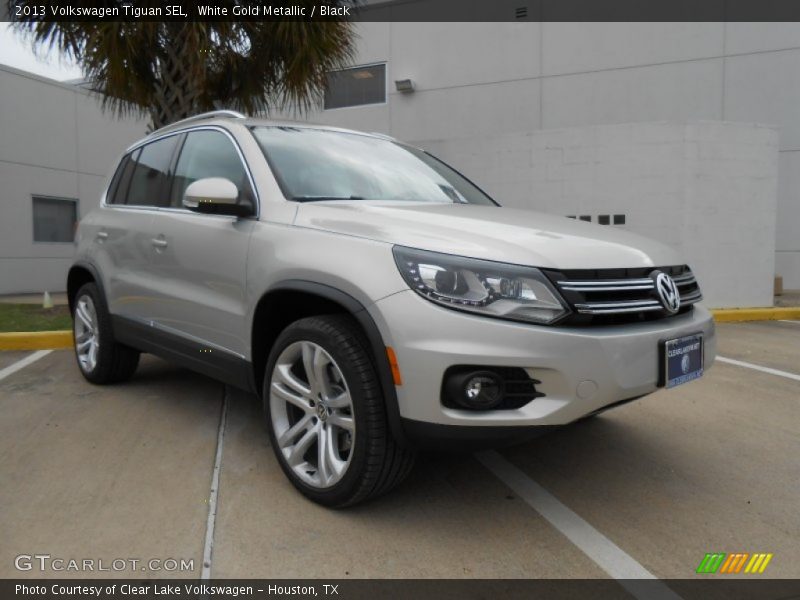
[317, 164]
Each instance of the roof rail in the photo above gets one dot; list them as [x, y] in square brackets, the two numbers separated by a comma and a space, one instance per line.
[206, 115]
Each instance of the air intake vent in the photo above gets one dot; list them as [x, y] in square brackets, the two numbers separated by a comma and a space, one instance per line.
[521, 12]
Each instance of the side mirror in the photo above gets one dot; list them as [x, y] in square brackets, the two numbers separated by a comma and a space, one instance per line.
[215, 196]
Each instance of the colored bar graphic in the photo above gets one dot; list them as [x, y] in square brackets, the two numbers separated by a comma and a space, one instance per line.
[711, 563]
[764, 564]
[731, 564]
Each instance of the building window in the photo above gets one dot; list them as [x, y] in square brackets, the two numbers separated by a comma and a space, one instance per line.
[587, 218]
[54, 219]
[604, 219]
[619, 219]
[356, 87]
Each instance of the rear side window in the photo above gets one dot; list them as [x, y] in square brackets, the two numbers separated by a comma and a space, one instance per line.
[208, 153]
[119, 183]
[148, 178]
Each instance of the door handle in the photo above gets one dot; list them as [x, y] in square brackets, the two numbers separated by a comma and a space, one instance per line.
[159, 242]
[102, 235]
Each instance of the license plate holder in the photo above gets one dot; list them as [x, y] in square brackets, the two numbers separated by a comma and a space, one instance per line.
[681, 360]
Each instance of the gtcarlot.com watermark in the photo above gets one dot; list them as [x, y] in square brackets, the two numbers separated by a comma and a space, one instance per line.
[46, 562]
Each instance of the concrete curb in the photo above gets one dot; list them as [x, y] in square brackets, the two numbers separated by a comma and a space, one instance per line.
[732, 315]
[53, 340]
[35, 340]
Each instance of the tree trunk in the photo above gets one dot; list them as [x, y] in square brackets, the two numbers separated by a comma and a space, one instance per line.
[178, 82]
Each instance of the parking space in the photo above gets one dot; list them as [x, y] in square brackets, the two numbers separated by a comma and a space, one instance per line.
[11, 357]
[774, 344]
[125, 471]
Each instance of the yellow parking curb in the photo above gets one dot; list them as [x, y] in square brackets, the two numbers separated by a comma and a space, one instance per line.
[729, 315]
[35, 340]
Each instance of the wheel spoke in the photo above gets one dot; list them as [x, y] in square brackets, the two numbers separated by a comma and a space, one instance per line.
[83, 315]
[290, 434]
[292, 382]
[309, 356]
[342, 421]
[92, 354]
[323, 468]
[299, 449]
[340, 401]
[286, 395]
[320, 372]
[81, 346]
[333, 464]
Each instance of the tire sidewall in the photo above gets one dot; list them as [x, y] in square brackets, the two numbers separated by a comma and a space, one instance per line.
[342, 490]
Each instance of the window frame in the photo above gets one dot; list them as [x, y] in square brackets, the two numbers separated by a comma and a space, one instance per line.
[176, 154]
[363, 66]
[76, 204]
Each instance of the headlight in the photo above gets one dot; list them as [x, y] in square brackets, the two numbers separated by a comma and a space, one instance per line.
[481, 286]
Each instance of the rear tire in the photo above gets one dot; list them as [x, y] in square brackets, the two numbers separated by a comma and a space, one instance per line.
[338, 406]
[100, 358]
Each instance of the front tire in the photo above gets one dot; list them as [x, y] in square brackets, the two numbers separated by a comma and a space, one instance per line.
[100, 358]
[326, 415]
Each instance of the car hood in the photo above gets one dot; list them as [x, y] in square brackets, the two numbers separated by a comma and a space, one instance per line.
[494, 233]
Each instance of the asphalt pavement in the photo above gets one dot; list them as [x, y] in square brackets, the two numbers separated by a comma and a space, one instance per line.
[125, 473]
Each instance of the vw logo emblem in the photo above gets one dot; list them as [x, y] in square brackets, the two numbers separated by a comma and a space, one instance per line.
[667, 291]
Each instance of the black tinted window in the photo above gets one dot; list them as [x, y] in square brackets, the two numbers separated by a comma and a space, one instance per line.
[353, 87]
[150, 173]
[208, 153]
[54, 219]
[118, 188]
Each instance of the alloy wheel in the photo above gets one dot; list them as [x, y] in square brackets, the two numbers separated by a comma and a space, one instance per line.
[312, 414]
[87, 335]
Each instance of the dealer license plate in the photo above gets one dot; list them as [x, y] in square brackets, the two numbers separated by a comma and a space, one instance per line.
[682, 360]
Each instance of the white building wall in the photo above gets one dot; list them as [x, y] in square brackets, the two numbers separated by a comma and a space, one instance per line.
[705, 188]
[54, 141]
[489, 79]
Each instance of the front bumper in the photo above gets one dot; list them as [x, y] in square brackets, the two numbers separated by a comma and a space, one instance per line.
[582, 370]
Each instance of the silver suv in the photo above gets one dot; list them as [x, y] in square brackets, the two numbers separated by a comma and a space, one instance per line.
[376, 300]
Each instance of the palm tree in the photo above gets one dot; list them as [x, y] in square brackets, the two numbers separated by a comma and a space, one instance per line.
[172, 70]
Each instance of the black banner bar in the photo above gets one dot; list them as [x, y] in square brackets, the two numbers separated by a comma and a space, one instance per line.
[403, 10]
[709, 588]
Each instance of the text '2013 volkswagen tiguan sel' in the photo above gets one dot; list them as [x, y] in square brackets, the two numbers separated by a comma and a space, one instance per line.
[375, 299]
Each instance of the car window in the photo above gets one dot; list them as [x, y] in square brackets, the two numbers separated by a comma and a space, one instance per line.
[118, 187]
[208, 153]
[150, 173]
[314, 164]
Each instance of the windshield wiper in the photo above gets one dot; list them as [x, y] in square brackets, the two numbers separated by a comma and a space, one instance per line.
[319, 198]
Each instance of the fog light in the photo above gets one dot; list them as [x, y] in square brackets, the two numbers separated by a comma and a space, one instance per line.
[476, 390]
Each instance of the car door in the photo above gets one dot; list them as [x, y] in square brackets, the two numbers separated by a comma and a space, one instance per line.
[200, 264]
[123, 247]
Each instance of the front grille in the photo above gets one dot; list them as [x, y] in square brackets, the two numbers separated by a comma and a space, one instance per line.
[611, 296]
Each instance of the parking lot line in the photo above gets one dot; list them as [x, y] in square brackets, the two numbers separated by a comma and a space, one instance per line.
[788, 321]
[21, 364]
[607, 555]
[747, 365]
[208, 548]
